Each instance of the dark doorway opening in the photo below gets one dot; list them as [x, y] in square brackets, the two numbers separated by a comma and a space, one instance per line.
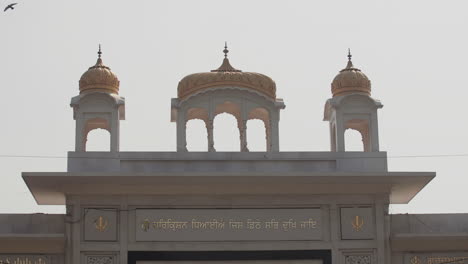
[324, 255]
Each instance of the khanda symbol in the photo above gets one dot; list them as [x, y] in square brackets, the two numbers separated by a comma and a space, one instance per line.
[415, 260]
[101, 224]
[357, 223]
[145, 225]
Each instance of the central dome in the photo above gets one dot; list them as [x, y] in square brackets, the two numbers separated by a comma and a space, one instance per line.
[226, 76]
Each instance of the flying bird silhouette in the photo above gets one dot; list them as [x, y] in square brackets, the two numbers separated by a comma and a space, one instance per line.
[10, 6]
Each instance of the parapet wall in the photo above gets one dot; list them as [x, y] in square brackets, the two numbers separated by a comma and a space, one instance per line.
[429, 223]
[429, 238]
[32, 238]
[227, 161]
[32, 224]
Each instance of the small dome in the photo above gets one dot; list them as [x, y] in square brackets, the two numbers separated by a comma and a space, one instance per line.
[226, 75]
[99, 78]
[350, 80]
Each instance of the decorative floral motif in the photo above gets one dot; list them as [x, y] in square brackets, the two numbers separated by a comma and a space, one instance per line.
[194, 83]
[358, 259]
[100, 260]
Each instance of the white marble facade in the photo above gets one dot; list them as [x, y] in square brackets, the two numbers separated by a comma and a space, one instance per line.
[224, 207]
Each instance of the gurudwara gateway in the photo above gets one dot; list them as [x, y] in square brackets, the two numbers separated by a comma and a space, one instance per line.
[229, 207]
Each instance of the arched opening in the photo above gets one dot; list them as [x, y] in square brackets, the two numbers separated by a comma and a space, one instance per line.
[226, 133]
[256, 135]
[353, 140]
[97, 136]
[98, 140]
[197, 136]
[358, 139]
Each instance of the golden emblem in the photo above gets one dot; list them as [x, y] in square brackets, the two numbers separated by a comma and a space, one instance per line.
[145, 226]
[101, 224]
[415, 260]
[357, 223]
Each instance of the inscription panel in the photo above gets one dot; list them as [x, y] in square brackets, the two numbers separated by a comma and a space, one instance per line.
[228, 224]
[437, 258]
[30, 259]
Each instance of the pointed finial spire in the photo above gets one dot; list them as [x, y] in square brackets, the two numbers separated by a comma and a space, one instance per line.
[99, 60]
[99, 51]
[226, 51]
[350, 63]
[226, 66]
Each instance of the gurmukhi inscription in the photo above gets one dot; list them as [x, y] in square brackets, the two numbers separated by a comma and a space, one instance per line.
[228, 224]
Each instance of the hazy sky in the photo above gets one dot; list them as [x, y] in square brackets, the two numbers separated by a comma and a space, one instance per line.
[414, 52]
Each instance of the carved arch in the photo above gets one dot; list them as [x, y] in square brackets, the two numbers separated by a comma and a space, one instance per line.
[95, 123]
[361, 126]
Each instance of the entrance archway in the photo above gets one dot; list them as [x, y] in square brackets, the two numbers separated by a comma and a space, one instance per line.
[235, 257]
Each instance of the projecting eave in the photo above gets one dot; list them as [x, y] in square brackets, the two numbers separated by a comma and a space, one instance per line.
[51, 188]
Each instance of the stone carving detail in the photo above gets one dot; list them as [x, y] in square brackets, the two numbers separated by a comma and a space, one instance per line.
[100, 260]
[197, 82]
[358, 259]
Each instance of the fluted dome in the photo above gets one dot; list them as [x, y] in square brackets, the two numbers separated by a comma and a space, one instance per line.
[226, 75]
[350, 80]
[99, 78]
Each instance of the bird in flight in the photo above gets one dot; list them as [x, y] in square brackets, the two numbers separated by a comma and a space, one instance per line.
[10, 6]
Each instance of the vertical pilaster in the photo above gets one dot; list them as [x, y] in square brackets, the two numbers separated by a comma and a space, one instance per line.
[242, 125]
[80, 143]
[114, 132]
[274, 132]
[69, 232]
[332, 137]
[340, 133]
[380, 234]
[77, 220]
[374, 132]
[181, 132]
[365, 139]
[209, 131]
[335, 232]
[123, 237]
[268, 136]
